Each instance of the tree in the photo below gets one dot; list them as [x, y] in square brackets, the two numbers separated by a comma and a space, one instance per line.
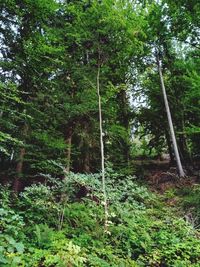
[54, 62]
[171, 51]
[173, 137]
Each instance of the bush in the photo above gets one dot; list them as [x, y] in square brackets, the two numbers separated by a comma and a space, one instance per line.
[11, 237]
[62, 229]
[62, 253]
[191, 201]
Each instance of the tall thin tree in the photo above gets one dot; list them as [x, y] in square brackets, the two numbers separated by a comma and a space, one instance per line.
[102, 146]
[169, 117]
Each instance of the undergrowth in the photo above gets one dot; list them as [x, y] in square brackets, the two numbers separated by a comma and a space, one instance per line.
[189, 202]
[61, 223]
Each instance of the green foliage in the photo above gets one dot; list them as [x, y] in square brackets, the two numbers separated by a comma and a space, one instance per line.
[11, 237]
[64, 253]
[50, 51]
[61, 231]
[11, 223]
[9, 100]
[43, 235]
[167, 33]
[39, 200]
[190, 201]
[48, 82]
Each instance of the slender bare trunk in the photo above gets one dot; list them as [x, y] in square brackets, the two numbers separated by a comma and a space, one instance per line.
[68, 154]
[176, 152]
[102, 149]
[170, 149]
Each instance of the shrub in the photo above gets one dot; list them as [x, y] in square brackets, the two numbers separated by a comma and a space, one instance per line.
[63, 230]
[11, 236]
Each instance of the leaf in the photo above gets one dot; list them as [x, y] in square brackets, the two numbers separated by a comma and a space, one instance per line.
[19, 247]
[3, 259]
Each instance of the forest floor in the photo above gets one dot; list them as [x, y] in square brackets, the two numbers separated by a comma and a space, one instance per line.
[161, 180]
[152, 223]
[181, 194]
[160, 176]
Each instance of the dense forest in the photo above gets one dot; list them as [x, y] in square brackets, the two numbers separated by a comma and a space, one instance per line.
[99, 133]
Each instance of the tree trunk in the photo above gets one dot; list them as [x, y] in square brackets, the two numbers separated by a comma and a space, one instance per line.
[20, 163]
[69, 149]
[19, 169]
[169, 145]
[173, 137]
[86, 163]
[102, 149]
[69, 134]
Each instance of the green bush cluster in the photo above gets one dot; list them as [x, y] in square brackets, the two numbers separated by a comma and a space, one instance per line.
[52, 225]
[189, 199]
[11, 236]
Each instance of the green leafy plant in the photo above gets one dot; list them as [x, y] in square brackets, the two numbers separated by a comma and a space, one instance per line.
[11, 236]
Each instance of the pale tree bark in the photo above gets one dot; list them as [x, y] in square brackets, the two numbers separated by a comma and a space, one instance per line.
[102, 149]
[169, 145]
[173, 137]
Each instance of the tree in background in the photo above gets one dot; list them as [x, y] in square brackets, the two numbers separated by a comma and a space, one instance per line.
[160, 35]
[53, 62]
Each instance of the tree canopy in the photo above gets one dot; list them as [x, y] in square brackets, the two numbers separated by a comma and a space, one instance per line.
[50, 53]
